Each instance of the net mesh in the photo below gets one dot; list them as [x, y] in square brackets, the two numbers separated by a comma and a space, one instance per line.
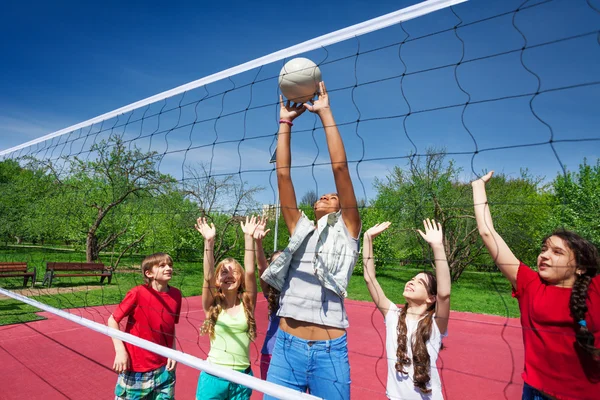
[423, 107]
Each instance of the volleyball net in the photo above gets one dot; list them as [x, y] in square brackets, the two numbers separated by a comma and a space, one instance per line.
[426, 99]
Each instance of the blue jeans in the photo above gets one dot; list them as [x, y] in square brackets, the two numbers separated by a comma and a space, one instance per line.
[531, 393]
[320, 367]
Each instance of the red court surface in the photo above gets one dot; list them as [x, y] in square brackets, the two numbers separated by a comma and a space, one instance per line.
[58, 359]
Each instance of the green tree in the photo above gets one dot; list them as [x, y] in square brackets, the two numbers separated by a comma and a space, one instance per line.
[225, 201]
[385, 248]
[22, 192]
[155, 222]
[521, 207]
[577, 198]
[431, 187]
[12, 202]
[91, 191]
[309, 198]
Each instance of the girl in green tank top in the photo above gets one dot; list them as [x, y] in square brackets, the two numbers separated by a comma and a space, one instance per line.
[228, 299]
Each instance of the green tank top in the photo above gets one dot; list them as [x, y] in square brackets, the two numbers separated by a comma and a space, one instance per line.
[231, 346]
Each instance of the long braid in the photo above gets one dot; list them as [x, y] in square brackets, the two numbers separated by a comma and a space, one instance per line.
[402, 359]
[587, 264]
[578, 305]
[421, 359]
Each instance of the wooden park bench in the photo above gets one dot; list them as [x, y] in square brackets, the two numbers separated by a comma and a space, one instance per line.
[68, 269]
[17, 269]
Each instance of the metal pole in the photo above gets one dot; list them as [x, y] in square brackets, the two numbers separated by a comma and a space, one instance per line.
[272, 161]
[276, 224]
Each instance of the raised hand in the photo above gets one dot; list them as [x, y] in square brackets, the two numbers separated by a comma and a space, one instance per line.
[250, 226]
[289, 111]
[433, 232]
[375, 230]
[375, 290]
[260, 232]
[322, 102]
[208, 232]
[484, 179]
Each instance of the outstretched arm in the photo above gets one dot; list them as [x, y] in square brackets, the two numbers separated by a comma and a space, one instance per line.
[339, 163]
[376, 292]
[434, 236]
[261, 259]
[499, 250]
[283, 161]
[249, 275]
[209, 233]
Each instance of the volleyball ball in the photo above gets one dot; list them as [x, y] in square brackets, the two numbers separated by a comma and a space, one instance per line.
[299, 80]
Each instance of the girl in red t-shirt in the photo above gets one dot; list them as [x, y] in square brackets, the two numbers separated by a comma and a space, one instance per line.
[560, 308]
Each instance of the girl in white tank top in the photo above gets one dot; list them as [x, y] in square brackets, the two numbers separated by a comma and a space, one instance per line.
[413, 333]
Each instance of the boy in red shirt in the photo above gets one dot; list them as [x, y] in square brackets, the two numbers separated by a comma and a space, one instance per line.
[153, 310]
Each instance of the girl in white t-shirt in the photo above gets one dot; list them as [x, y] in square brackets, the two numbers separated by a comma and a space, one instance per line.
[414, 332]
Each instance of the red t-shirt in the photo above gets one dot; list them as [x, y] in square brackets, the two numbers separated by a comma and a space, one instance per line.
[152, 316]
[553, 362]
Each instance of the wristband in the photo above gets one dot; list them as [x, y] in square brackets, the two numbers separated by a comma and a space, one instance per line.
[285, 121]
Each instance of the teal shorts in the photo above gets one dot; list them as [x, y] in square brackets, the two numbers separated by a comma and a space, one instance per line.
[158, 384]
[212, 387]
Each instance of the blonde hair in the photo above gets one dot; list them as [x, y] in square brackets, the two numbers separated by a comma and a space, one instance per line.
[208, 327]
[154, 260]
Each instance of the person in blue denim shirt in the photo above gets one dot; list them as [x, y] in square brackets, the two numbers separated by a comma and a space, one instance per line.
[312, 272]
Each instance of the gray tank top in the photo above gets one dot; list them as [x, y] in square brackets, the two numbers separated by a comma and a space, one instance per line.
[303, 298]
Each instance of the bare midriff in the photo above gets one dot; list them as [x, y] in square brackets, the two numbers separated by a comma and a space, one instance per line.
[309, 331]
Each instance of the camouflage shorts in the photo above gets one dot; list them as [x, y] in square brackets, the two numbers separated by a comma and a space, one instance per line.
[158, 384]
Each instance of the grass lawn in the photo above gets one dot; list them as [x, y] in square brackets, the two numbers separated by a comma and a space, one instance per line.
[478, 292]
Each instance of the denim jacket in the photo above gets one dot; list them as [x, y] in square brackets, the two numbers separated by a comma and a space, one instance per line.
[334, 258]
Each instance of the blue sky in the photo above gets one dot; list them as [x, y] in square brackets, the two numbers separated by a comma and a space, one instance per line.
[70, 61]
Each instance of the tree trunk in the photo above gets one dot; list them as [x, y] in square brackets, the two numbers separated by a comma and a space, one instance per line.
[19, 240]
[455, 270]
[91, 247]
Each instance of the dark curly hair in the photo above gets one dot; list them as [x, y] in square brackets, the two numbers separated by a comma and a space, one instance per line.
[587, 262]
[272, 293]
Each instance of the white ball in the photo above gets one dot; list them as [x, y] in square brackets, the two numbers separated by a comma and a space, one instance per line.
[299, 80]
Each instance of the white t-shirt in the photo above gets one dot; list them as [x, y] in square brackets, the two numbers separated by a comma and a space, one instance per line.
[401, 386]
